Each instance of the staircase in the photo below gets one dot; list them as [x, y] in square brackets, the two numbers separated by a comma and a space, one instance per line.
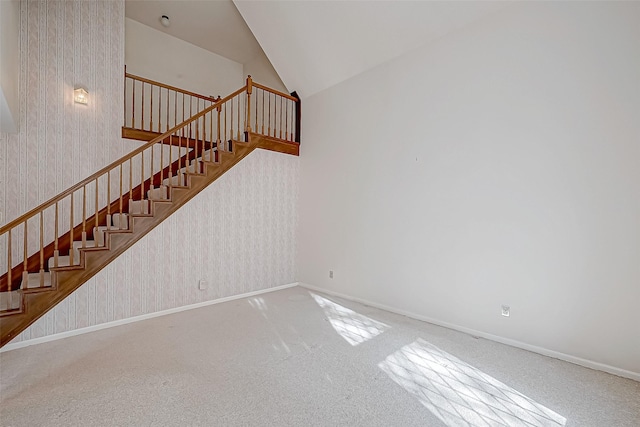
[53, 249]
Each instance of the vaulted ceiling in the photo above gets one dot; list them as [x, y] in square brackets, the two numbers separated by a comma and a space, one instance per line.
[214, 25]
[312, 45]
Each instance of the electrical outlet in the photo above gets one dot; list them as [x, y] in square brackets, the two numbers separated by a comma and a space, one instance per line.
[506, 311]
[330, 274]
[202, 284]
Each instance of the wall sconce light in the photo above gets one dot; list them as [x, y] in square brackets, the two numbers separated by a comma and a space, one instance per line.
[164, 20]
[81, 96]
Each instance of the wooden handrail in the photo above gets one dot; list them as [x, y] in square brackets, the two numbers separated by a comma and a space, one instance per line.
[13, 277]
[209, 132]
[276, 92]
[266, 112]
[115, 164]
[166, 86]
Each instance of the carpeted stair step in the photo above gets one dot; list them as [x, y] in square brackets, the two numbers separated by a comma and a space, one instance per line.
[197, 166]
[34, 280]
[63, 261]
[78, 245]
[98, 234]
[177, 180]
[159, 193]
[10, 300]
[113, 222]
[208, 156]
[194, 166]
[139, 207]
[120, 221]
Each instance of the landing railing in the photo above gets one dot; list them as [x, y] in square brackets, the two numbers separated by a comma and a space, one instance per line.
[275, 114]
[157, 107]
[36, 241]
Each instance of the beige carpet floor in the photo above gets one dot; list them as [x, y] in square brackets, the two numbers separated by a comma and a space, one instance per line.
[296, 358]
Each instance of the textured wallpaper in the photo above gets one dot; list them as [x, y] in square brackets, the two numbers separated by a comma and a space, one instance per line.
[239, 234]
[63, 44]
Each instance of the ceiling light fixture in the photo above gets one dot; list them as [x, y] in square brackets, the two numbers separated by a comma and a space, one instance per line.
[164, 20]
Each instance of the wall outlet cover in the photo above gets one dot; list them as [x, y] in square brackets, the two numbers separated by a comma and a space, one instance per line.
[506, 311]
[202, 285]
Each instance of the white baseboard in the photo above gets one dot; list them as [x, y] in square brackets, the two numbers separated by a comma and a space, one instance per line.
[535, 349]
[101, 326]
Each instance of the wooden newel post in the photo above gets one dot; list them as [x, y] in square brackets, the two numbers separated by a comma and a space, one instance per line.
[298, 113]
[219, 113]
[249, 90]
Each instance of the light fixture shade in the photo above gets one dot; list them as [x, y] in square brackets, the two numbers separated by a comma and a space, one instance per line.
[81, 96]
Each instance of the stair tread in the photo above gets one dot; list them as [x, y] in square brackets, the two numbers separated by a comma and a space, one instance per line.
[177, 180]
[188, 169]
[89, 244]
[104, 227]
[99, 233]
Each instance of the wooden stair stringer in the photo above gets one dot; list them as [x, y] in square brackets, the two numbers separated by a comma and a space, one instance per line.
[66, 239]
[274, 144]
[184, 142]
[36, 305]
[266, 142]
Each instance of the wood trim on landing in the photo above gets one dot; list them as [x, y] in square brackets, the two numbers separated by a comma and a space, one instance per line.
[265, 142]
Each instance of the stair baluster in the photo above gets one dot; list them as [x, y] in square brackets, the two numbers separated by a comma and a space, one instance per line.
[25, 268]
[210, 147]
[9, 277]
[96, 224]
[56, 252]
[71, 254]
[41, 249]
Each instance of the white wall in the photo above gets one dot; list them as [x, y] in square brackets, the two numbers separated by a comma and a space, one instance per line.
[498, 165]
[261, 71]
[9, 65]
[158, 56]
[316, 44]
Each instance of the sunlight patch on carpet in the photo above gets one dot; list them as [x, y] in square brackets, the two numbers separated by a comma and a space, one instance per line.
[459, 394]
[354, 327]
